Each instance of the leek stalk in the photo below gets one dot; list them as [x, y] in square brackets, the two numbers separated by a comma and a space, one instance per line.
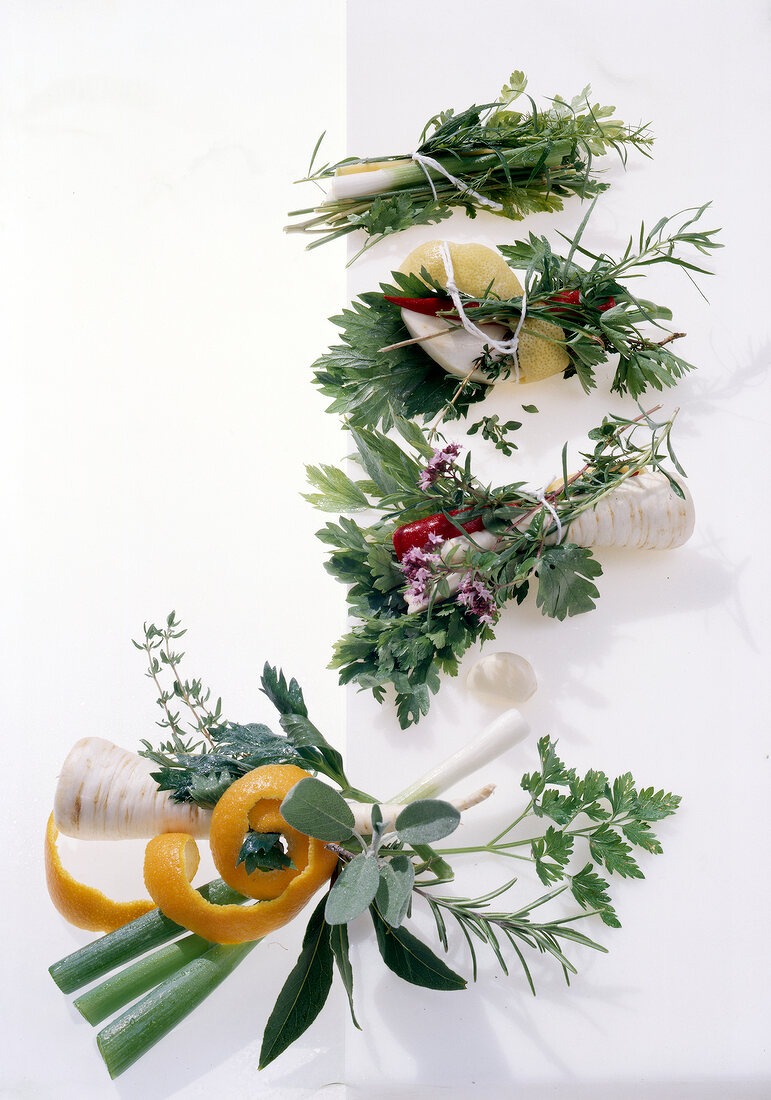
[132, 1034]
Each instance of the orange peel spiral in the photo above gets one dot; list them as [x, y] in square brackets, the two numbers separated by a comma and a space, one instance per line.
[82, 905]
[254, 801]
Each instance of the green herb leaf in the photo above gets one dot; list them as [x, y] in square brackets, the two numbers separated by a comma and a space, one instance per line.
[591, 892]
[353, 891]
[263, 852]
[315, 809]
[427, 820]
[338, 938]
[394, 894]
[608, 847]
[410, 959]
[337, 492]
[287, 698]
[564, 581]
[304, 992]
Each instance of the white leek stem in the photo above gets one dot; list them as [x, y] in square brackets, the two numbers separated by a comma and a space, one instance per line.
[507, 730]
[391, 810]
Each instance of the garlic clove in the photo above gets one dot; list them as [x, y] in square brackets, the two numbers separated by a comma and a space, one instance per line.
[502, 678]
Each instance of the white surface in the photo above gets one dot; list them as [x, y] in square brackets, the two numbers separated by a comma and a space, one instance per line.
[157, 331]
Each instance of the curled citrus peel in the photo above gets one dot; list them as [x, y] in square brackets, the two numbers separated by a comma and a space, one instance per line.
[480, 272]
[85, 906]
[254, 801]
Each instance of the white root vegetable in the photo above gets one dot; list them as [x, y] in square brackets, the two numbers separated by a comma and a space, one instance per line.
[643, 513]
[499, 677]
[107, 793]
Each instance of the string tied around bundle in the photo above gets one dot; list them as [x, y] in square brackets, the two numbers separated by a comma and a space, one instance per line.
[504, 348]
[542, 498]
[425, 163]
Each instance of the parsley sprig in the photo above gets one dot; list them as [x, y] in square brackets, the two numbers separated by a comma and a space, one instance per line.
[390, 646]
[522, 161]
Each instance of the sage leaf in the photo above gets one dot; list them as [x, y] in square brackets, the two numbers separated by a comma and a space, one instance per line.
[411, 960]
[427, 820]
[354, 890]
[397, 877]
[304, 992]
[315, 809]
[338, 938]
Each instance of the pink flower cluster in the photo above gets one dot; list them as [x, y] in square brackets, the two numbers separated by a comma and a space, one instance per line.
[417, 566]
[477, 598]
[440, 463]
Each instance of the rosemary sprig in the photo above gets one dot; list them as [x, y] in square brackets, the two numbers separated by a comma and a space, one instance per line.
[514, 162]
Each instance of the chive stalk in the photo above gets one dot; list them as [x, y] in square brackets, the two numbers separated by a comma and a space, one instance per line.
[96, 959]
[127, 985]
[138, 1029]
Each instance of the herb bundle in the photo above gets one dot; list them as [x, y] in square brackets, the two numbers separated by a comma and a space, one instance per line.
[379, 372]
[407, 629]
[494, 157]
[386, 867]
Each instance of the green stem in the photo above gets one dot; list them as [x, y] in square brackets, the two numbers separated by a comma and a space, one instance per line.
[503, 849]
[119, 990]
[126, 1039]
[143, 934]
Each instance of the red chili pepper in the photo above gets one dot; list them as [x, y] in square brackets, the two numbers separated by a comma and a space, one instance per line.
[573, 298]
[429, 306]
[569, 297]
[410, 535]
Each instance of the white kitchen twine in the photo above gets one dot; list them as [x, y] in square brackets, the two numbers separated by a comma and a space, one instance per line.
[425, 163]
[541, 496]
[503, 347]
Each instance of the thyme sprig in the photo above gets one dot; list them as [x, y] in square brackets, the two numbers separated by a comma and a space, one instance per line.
[513, 161]
[390, 645]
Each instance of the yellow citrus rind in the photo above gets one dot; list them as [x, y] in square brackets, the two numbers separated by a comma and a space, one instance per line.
[82, 905]
[254, 801]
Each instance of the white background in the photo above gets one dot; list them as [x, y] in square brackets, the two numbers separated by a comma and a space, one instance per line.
[157, 413]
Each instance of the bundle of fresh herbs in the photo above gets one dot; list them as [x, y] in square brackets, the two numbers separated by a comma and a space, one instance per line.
[494, 157]
[379, 372]
[386, 867]
[407, 630]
